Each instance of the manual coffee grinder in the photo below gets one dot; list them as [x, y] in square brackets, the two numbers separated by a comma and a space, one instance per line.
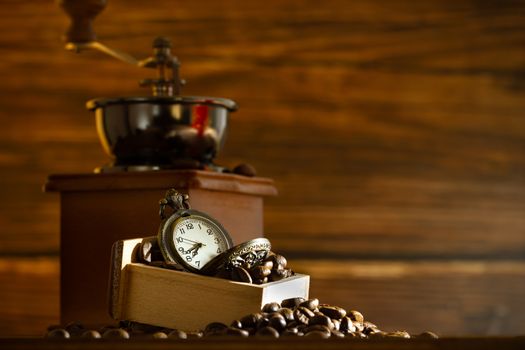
[156, 142]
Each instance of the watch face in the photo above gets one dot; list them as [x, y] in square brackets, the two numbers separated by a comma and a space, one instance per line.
[193, 240]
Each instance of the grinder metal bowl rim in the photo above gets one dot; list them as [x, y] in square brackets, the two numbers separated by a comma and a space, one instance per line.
[216, 101]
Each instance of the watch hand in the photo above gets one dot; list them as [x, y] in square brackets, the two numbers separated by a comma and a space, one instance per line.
[190, 241]
[196, 251]
[194, 248]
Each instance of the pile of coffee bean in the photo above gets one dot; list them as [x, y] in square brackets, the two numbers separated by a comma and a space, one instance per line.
[294, 317]
[272, 268]
[308, 318]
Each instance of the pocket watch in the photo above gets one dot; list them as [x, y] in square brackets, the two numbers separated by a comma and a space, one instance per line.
[245, 255]
[189, 237]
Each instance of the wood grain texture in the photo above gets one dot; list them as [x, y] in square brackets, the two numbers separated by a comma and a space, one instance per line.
[29, 296]
[398, 126]
[394, 130]
[449, 298]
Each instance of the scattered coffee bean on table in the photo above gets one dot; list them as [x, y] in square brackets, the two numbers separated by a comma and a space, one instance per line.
[294, 317]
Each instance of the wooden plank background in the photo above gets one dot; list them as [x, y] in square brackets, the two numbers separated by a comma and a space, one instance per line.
[394, 130]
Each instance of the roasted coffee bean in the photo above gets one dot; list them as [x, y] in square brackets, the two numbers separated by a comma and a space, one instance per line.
[277, 275]
[318, 334]
[293, 324]
[336, 323]
[245, 170]
[279, 261]
[91, 334]
[321, 320]
[250, 321]
[267, 332]
[292, 302]
[104, 329]
[355, 316]
[160, 335]
[317, 327]
[251, 331]
[302, 328]
[237, 332]
[333, 311]
[292, 328]
[178, 334]
[288, 273]
[359, 334]
[398, 334]
[278, 322]
[368, 324]
[262, 322]
[116, 333]
[369, 327]
[215, 327]
[240, 275]
[358, 326]
[346, 325]
[260, 281]
[427, 335]
[289, 332]
[337, 334]
[236, 324]
[75, 328]
[302, 315]
[260, 272]
[271, 307]
[370, 332]
[194, 335]
[377, 334]
[287, 313]
[58, 333]
[267, 264]
[306, 311]
[310, 304]
[138, 328]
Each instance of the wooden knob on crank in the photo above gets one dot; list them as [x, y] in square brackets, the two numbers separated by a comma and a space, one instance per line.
[82, 13]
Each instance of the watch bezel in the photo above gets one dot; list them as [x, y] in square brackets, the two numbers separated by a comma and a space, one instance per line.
[167, 243]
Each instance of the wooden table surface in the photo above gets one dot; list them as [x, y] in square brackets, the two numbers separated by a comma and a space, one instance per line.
[289, 343]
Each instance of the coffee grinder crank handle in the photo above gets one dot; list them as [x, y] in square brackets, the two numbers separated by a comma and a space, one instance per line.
[81, 35]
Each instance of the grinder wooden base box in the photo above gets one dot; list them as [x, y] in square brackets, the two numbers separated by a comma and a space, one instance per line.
[187, 301]
[99, 209]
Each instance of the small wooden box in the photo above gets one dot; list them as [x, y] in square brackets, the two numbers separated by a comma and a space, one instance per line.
[187, 301]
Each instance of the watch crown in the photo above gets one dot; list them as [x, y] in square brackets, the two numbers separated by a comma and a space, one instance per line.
[174, 200]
